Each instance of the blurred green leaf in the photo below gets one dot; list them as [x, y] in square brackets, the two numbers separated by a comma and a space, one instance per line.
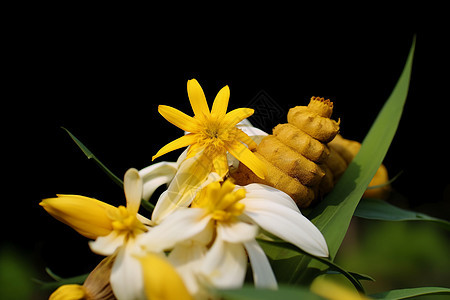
[15, 274]
[377, 209]
[91, 155]
[409, 293]
[283, 292]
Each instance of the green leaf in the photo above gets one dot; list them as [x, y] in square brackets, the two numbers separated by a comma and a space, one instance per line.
[332, 215]
[284, 292]
[409, 293]
[377, 209]
[91, 155]
[53, 285]
[386, 183]
[357, 276]
[52, 274]
[271, 248]
[144, 203]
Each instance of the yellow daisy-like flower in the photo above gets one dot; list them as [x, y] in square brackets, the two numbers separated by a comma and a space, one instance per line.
[213, 132]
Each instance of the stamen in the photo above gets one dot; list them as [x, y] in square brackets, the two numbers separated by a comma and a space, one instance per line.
[221, 201]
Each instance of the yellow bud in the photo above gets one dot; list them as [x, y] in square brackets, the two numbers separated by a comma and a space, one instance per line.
[161, 280]
[334, 291]
[86, 215]
[69, 292]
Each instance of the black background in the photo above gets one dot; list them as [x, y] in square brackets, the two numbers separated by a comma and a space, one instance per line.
[103, 78]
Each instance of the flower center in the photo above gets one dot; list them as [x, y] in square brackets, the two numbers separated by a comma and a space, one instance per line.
[214, 136]
[125, 223]
[221, 201]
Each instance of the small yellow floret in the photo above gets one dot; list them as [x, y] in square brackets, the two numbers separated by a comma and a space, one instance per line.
[221, 200]
[124, 222]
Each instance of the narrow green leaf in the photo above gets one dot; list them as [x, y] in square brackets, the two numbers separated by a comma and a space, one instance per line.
[409, 293]
[332, 216]
[284, 292]
[386, 183]
[358, 276]
[147, 205]
[269, 248]
[91, 155]
[144, 203]
[52, 274]
[377, 209]
[55, 284]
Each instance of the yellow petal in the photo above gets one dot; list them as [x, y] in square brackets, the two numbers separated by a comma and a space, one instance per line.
[245, 156]
[178, 118]
[243, 137]
[220, 104]
[237, 115]
[181, 142]
[220, 163]
[161, 280]
[197, 99]
[194, 149]
[86, 215]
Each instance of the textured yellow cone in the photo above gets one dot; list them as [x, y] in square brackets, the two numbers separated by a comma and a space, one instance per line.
[161, 280]
[86, 215]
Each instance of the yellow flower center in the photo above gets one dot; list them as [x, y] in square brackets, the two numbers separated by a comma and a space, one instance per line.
[214, 136]
[221, 201]
[125, 223]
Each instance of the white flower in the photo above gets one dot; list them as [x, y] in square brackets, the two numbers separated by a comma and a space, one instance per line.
[229, 217]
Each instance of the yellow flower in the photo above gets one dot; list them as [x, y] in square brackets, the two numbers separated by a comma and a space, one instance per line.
[213, 132]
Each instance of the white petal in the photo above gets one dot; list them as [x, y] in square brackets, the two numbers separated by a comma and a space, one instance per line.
[107, 245]
[144, 220]
[132, 185]
[186, 258]
[263, 192]
[245, 122]
[262, 271]
[182, 225]
[189, 179]
[287, 224]
[156, 175]
[127, 276]
[225, 264]
[254, 133]
[237, 232]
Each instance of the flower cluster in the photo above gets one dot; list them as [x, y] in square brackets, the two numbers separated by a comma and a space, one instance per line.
[203, 231]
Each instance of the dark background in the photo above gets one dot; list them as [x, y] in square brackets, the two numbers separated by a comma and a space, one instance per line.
[103, 81]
